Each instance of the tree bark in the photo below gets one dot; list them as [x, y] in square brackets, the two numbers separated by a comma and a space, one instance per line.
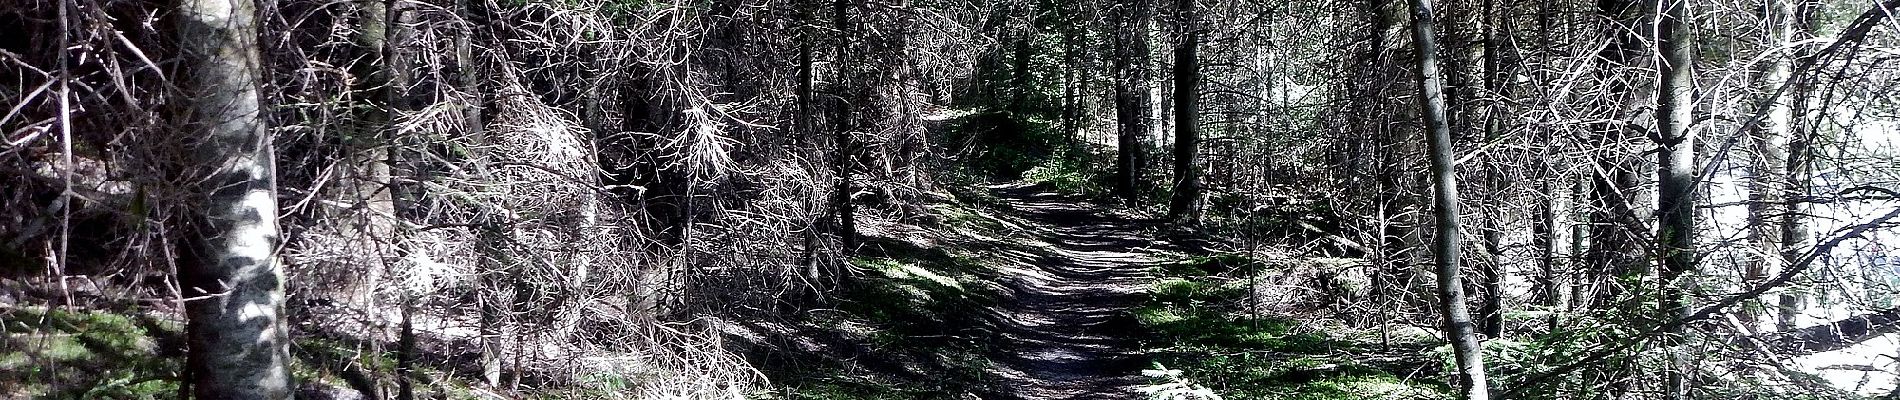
[1836, 335]
[1022, 81]
[1772, 224]
[369, 154]
[804, 123]
[845, 118]
[1071, 84]
[1555, 226]
[1132, 97]
[1494, 268]
[1612, 255]
[1794, 166]
[1401, 222]
[238, 345]
[475, 13]
[1552, 239]
[1459, 328]
[1182, 207]
[1675, 176]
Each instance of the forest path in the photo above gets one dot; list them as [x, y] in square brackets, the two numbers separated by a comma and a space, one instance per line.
[1067, 331]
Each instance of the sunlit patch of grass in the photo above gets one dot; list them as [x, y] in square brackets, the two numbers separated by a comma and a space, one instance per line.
[1067, 172]
[843, 388]
[106, 355]
[50, 353]
[1195, 326]
[911, 271]
[1004, 144]
[1157, 316]
[1207, 265]
[1374, 386]
[916, 307]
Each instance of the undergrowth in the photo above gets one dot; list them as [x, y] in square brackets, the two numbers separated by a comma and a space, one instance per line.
[1068, 172]
[51, 353]
[909, 323]
[1004, 145]
[1197, 324]
[98, 354]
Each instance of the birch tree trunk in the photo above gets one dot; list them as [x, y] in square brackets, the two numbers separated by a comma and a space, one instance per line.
[234, 284]
[1787, 151]
[1767, 206]
[1459, 328]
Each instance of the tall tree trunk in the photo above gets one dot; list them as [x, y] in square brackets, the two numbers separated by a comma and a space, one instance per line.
[1401, 244]
[1459, 328]
[496, 267]
[804, 124]
[1022, 81]
[1769, 163]
[845, 117]
[1675, 176]
[1552, 239]
[1491, 274]
[1795, 238]
[1131, 96]
[1785, 155]
[1187, 131]
[369, 153]
[496, 270]
[1071, 85]
[1612, 255]
[475, 13]
[1554, 222]
[1581, 188]
[1495, 185]
[238, 345]
[1611, 252]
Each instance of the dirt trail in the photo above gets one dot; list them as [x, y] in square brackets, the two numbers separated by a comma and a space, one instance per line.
[1067, 330]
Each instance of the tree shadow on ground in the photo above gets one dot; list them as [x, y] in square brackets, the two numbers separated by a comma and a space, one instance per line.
[1067, 332]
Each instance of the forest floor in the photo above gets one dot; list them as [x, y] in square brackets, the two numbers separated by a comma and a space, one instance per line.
[1104, 302]
[1023, 291]
[1069, 330]
[1009, 291]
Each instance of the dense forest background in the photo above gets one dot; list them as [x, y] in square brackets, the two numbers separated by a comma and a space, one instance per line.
[1607, 199]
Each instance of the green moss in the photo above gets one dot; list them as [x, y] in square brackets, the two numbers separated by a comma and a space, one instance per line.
[82, 354]
[1006, 144]
[1069, 172]
[1194, 325]
[922, 296]
[1209, 265]
[912, 305]
[1358, 387]
[842, 390]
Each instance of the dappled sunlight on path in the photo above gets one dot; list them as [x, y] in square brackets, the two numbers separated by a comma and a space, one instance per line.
[1067, 330]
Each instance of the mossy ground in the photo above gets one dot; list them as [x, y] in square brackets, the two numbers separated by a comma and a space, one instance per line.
[1198, 324]
[906, 330]
[908, 324]
[65, 353]
[57, 353]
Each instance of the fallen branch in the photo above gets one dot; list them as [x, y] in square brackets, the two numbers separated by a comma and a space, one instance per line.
[1837, 335]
